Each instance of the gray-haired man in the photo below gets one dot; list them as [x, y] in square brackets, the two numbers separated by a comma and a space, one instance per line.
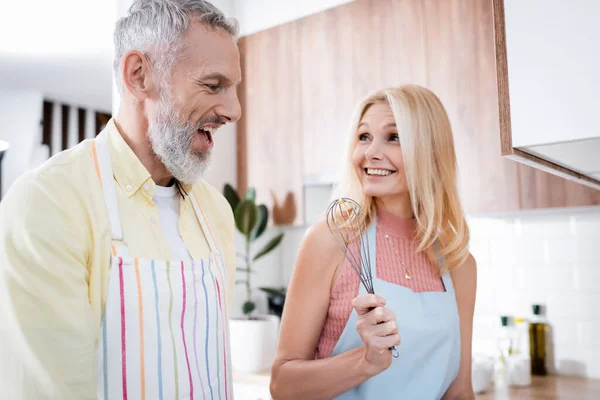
[116, 259]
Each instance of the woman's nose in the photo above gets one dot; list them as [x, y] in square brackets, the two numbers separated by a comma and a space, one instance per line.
[373, 152]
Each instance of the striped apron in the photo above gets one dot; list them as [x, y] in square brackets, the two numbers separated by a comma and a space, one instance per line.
[165, 332]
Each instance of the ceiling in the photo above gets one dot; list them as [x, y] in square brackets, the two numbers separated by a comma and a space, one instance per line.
[61, 48]
[78, 80]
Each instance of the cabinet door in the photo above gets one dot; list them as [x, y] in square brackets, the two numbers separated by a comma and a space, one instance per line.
[462, 72]
[270, 129]
[541, 189]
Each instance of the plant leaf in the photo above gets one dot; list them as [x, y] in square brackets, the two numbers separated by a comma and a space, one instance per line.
[244, 270]
[231, 195]
[269, 246]
[246, 217]
[248, 307]
[274, 291]
[251, 194]
[262, 222]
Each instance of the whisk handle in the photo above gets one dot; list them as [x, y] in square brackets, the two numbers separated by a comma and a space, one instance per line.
[393, 348]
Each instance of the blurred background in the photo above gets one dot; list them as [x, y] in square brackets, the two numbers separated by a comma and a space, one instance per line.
[519, 80]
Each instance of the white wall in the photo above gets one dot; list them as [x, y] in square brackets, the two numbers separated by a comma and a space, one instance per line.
[20, 122]
[258, 15]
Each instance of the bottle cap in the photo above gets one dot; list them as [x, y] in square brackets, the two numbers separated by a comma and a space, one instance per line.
[504, 320]
[537, 309]
[518, 320]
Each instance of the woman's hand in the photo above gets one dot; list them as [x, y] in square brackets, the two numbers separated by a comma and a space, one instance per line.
[378, 330]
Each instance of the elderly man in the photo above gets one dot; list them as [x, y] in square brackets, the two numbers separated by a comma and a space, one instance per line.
[116, 260]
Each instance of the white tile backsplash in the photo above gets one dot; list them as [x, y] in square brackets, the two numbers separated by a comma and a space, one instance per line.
[536, 258]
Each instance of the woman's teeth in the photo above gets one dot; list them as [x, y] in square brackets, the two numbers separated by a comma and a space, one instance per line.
[378, 172]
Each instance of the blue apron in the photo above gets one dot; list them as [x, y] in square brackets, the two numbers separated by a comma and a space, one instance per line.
[429, 353]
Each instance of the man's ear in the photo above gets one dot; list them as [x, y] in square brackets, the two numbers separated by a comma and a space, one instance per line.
[138, 77]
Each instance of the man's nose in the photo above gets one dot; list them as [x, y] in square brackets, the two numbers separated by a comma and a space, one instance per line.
[230, 110]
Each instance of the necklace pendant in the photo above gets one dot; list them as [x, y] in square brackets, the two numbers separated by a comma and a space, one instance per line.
[407, 275]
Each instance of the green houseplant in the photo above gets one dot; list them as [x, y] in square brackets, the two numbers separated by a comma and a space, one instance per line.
[251, 221]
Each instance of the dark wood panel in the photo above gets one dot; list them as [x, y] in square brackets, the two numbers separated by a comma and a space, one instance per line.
[271, 126]
[101, 121]
[461, 71]
[65, 126]
[81, 114]
[47, 120]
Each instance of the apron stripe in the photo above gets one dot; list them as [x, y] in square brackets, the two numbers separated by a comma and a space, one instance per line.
[207, 332]
[123, 345]
[141, 318]
[160, 383]
[217, 300]
[171, 329]
[105, 358]
[187, 360]
[95, 157]
[224, 351]
[195, 325]
[226, 326]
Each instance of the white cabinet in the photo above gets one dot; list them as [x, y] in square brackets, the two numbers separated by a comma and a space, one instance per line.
[553, 85]
[553, 62]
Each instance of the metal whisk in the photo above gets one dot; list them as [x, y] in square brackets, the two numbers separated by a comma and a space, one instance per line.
[347, 223]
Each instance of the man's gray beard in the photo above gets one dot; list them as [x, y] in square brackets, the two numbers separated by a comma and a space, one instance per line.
[172, 142]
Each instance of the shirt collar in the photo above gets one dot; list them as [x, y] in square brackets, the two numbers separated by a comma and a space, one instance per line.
[128, 170]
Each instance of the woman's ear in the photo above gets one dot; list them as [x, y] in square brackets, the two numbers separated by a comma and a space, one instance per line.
[138, 76]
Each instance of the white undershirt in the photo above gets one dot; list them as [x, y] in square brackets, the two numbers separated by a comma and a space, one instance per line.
[167, 200]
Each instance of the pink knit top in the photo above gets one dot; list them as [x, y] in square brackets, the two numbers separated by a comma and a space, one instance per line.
[424, 277]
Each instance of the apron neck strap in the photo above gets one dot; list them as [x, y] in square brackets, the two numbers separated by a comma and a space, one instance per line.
[446, 278]
[203, 223]
[104, 169]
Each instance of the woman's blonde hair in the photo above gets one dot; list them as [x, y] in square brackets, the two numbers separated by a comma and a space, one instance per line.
[430, 163]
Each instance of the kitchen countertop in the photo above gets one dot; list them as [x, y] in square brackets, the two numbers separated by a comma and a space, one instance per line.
[549, 387]
[542, 387]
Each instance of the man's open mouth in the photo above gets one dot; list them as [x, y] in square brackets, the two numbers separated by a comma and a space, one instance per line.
[207, 132]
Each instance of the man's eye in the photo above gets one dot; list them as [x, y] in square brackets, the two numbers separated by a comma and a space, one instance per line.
[213, 88]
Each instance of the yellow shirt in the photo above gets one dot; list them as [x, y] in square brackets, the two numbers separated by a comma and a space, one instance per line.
[54, 263]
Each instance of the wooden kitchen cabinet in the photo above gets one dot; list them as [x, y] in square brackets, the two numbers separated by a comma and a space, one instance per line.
[303, 79]
[269, 134]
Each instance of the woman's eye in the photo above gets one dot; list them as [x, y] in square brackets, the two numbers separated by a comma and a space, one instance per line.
[394, 137]
[363, 136]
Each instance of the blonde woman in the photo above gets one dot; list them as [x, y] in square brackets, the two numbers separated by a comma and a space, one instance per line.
[401, 167]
